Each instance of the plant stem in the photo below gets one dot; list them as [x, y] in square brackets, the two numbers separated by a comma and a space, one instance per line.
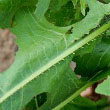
[36, 103]
[72, 97]
[88, 38]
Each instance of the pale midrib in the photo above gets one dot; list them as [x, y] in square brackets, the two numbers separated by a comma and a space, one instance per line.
[56, 60]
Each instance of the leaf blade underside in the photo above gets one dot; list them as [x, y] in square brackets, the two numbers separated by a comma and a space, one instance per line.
[44, 46]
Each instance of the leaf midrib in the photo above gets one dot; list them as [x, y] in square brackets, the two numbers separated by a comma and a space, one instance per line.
[56, 60]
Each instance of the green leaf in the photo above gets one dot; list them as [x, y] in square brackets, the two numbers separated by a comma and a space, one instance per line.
[90, 21]
[74, 2]
[9, 7]
[107, 1]
[87, 82]
[56, 5]
[83, 6]
[42, 7]
[88, 48]
[108, 33]
[43, 46]
[104, 88]
[61, 14]
[99, 56]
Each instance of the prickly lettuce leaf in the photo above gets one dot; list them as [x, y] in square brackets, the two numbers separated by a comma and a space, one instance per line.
[41, 59]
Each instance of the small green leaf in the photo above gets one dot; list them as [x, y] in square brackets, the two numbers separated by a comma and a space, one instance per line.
[96, 59]
[42, 7]
[83, 6]
[74, 2]
[104, 88]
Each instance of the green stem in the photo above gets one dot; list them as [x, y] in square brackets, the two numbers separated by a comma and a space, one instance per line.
[72, 97]
[36, 103]
[89, 38]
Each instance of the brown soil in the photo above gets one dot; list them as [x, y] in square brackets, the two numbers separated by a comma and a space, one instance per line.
[7, 49]
[91, 94]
